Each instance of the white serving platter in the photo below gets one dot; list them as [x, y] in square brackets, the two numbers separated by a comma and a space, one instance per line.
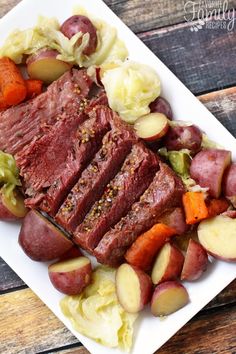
[150, 332]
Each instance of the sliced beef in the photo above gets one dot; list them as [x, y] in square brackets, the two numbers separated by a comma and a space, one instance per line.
[116, 145]
[163, 193]
[88, 141]
[99, 99]
[42, 160]
[66, 96]
[136, 174]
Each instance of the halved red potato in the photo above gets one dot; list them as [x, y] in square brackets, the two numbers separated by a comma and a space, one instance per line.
[175, 218]
[207, 169]
[40, 239]
[229, 183]
[152, 126]
[45, 66]
[161, 105]
[71, 276]
[168, 264]
[195, 262]
[80, 23]
[133, 288]
[184, 137]
[168, 297]
[9, 211]
[218, 236]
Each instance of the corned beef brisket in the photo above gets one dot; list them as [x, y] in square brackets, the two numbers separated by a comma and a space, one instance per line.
[86, 168]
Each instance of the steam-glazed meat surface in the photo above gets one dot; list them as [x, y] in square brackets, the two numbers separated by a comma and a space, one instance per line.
[87, 142]
[30, 120]
[116, 144]
[163, 193]
[134, 177]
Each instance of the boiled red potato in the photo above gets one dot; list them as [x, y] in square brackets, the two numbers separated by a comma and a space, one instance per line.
[73, 252]
[161, 105]
[175, 218]
[40, 239]
[79, 23]
[168, 264]
[71, 276]
[133, 288]
[195, 262]
[45, 66]
[152, 126]
[207, 169]
[168, 297]
[10, 211]
[218, 236]
[229, 183]
[183, 137]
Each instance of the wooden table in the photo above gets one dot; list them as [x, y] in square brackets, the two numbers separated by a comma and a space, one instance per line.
[205, 60]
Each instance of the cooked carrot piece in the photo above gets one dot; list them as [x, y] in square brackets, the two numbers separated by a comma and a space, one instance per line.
[34, 87]
[12, 84]
[195, 207]
[217, 206]
[146, 246]
[3, 104]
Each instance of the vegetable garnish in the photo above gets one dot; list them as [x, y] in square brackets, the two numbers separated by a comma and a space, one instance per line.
[144, 249]
[9, 177]
[34, 87]
[47, 34]
[97, 313]
[130, 88]
[195, 207]
[12, 85]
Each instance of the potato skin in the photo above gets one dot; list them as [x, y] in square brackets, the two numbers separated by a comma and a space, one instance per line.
[161, 289]
[5, 214]
[72, 282]
[195, 263]
[144, 290]
[207, 168]
[79, 23]
[175, 218]
[183, 137]
[40, 239]
[173, 267]
[161, 105]
[229, 183]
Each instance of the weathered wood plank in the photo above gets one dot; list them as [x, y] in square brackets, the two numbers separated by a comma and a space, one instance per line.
[202, 60]
[28, 326]
[223, 105]
[27, 330]
[8, 278]
[7, 5]
[155, 13]
[210, 333]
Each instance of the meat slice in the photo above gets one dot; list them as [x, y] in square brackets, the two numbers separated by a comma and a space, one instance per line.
[20, 124]
[163, 193]
[136, 174]
[116, 145]
[88, 141]
[42, 160]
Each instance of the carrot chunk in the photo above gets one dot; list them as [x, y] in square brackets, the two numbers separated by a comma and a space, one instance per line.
[217, 206]
[34, 87]
[195, 207]
[12, 84]
[3, 104]
[146, 246]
